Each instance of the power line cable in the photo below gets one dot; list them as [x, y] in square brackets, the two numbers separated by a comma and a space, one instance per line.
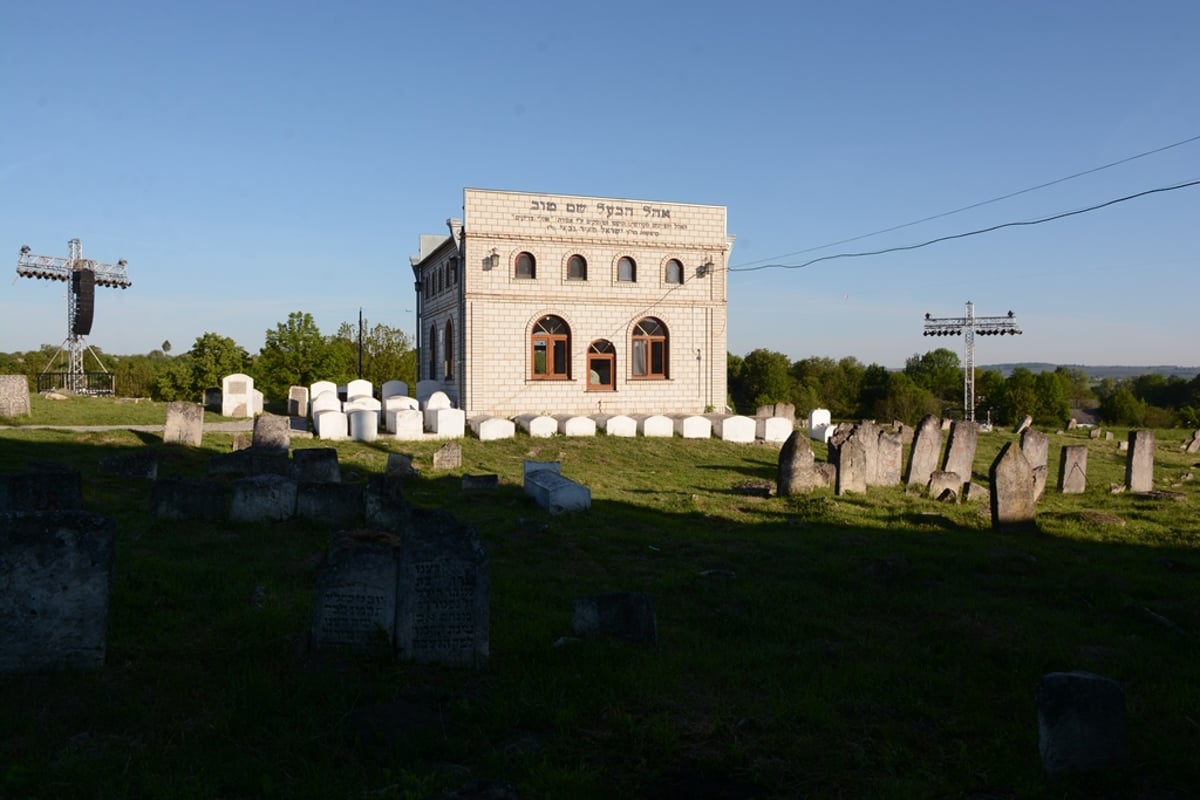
[984, 202]
[976, 232]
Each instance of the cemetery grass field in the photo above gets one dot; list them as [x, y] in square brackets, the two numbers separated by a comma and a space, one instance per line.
[877, 645]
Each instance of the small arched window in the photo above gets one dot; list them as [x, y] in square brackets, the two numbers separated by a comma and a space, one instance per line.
[448, 350]
[602, 366]
[627, 270]
[576, 268]
[433, 343]
[650, 349]
[526, 266]
[674, 273]
[550, 349]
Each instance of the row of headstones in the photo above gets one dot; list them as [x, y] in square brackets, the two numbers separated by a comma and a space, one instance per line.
[866, 455]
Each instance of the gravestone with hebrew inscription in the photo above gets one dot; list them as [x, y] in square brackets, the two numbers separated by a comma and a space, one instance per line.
[14, 396]
[1013, 503]
[237, 395]
[926, 451]
[442, 595]
[55, 581]
[448, 456]
[355, 606]
[960, 451]
[272, 432]
[851, 467]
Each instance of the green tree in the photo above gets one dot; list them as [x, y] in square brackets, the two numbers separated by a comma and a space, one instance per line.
[940, 371]
[906, 401]
[765, 379]
[211, 358]
[387, 353]
[295, 353]
[1122, 407]
[1053, 405]
[1079, 387]
[1019, 397]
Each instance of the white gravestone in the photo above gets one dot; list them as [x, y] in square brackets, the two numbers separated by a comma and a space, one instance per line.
[774, 429]
[694, 427]
[359, 388]
[616, 425]
[364, 425]
[656, 425]
[538, 426]
[393, 389]
[737, 429]
[407, 424]
[237, 395]
[490, 429]
[446, 423]
[570, 425]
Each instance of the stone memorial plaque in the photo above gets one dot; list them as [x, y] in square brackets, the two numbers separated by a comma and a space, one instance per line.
[184, 425]
[355, 605]
[442, 610]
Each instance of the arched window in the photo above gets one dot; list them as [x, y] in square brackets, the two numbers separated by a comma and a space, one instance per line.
[650, 349]
[526, 266]
[550, 348]
[602, 366]
[433, 343]
[674, 271]
[448, 350]
[577, 268]
[627, 269]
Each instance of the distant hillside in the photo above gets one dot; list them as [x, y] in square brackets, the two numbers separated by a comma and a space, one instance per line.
[1097, 373]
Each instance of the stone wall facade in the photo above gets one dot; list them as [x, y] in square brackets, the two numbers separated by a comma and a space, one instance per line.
[468, 281]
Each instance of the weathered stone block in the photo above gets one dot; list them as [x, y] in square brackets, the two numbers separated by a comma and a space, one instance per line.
[187, 498]
[263, 498]
[185, 424]
[626, 615]
[338, 504]
[1082, 722]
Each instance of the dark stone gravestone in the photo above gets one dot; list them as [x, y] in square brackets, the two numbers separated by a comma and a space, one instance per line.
[141, 464]
[626, 615]
[316, 465]
[1139, 461]
[185, 424]
[272, 432]
[798, 471]
[1072, 469]
[251, 461]
[1013, 504]
[926, 451]
[1082, 723]
[400, 464]
[55, 579]
[212, 398]
[187, 498]
[383, 504]
[355, 606]
[44, 487]
[960, 452]
[331, 503]
[263, 498]
[442, 595]
[480, 483]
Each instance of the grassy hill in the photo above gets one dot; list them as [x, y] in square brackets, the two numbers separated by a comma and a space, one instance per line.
[1098, 372]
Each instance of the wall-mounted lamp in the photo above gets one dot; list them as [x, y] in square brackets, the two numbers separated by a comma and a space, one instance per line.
[704, 269]
[494, 259]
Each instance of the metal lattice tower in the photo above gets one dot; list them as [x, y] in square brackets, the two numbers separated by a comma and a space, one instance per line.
[967, 326]
[81, 276]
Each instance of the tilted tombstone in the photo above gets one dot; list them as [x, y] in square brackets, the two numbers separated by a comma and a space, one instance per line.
[185, 424]
[626, 615]
[272, 432]
[1036, 447]
[442, 593]
[399, 464]
[945, 485]
[1082, 722]
[330, 503]
[355, 606]
[14, 396]
[1013, 503]
[1024, 424]
[798, 471]
[926, 451]
[1072, 469]
[237, 395]
[316, 464]
[187, 498]
[55, 581]
[851, 467]
[263, 498]
[297, 401]
[1139, 461]
[545, 483]
[960, 452]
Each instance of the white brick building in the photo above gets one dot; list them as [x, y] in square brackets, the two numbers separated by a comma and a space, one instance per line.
[554, 304]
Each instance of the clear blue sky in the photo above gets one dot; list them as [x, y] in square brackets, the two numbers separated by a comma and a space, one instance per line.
[252, 159]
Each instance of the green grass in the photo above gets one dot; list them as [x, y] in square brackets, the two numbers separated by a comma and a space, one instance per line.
[78, 411]
[881, 645]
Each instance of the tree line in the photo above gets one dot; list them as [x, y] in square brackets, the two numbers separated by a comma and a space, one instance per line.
[295, 353]
[932, 383]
